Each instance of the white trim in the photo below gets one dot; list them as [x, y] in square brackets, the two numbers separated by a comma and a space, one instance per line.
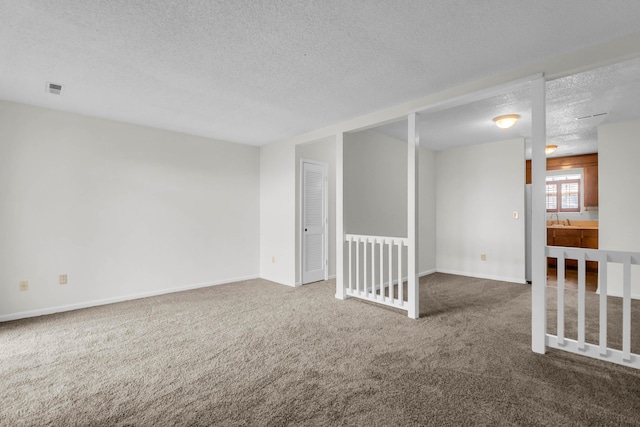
[325, 213]
[406, 278]
[326, 223]
[518, 280]
[593, 351]
[413, 288]
[617, 294]
[396, 303]
[572, 171]
[478, 95]
[112, 300]
[427, 272]
[289, 284]
[340, 238]
[538, 216]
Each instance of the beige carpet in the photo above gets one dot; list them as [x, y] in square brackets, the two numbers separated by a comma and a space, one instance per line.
[258, 353]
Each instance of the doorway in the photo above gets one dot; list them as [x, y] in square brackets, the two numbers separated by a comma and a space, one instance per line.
[314, 221]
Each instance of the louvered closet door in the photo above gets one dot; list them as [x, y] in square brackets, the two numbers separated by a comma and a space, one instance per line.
[314, 222]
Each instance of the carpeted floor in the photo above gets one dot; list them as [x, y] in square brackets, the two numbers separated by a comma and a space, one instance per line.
[258, 353]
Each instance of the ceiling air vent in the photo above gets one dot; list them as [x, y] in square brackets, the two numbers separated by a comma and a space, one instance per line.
[591, 116]
[54, 88]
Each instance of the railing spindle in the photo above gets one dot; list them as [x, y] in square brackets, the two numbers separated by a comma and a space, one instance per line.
[602, 268]
[626, 310]
[400, 286]
[358, 264]
[560, 296]
[382, 269]
[373, 266]
[364, 266]
[390, 284]
[350, 241]
[581, 300]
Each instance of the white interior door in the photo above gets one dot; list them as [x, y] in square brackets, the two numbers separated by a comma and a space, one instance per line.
[314, 222]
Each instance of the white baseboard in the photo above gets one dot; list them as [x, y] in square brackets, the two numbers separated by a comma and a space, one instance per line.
[112, 300]
[428, 272]
[291, 285]
[518, 280]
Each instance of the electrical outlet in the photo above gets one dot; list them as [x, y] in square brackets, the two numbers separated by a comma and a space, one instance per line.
[483, 257]
[273, 259]
[24, 285]
[63, 279]
[516, 215]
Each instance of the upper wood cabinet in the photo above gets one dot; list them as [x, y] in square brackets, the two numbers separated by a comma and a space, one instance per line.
[591, 186]
[589, 164]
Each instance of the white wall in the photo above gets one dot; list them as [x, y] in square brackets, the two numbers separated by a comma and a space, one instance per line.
[277, 160]
[427, 211]
[375, 185]
[375, 181]
[321, 151]
[477, 190]
[278, 213]
[618, 178]
[123, 210]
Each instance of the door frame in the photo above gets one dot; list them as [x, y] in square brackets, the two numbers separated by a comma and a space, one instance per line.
[325, 166]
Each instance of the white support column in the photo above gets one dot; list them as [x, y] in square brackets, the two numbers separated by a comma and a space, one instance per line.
[412, 218]
[538, 218]
[340, 288]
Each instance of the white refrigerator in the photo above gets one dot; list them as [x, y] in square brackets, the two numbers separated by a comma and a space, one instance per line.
[527, 233]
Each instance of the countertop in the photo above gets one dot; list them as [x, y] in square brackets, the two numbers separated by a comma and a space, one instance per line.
[575, 225]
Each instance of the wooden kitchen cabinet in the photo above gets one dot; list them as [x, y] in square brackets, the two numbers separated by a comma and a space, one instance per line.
[567, 237]
[589, 239]
[575, 238]
[551, 262]
[590, 187]
[570, 237]
[589, 165]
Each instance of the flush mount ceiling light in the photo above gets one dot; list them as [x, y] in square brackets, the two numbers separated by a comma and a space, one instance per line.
[550, 149]
[505, 122]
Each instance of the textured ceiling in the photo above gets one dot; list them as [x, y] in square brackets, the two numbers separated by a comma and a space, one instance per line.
[614, 90]
[256, 71]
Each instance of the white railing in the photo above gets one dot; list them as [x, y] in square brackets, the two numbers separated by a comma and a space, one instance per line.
[371, 271]
[579, 346]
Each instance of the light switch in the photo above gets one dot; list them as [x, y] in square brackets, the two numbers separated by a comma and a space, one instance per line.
[516, 215]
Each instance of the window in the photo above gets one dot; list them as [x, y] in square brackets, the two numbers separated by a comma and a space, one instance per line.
[563, 193]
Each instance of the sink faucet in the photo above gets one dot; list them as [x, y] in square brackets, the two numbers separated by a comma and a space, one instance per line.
[557, 219]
